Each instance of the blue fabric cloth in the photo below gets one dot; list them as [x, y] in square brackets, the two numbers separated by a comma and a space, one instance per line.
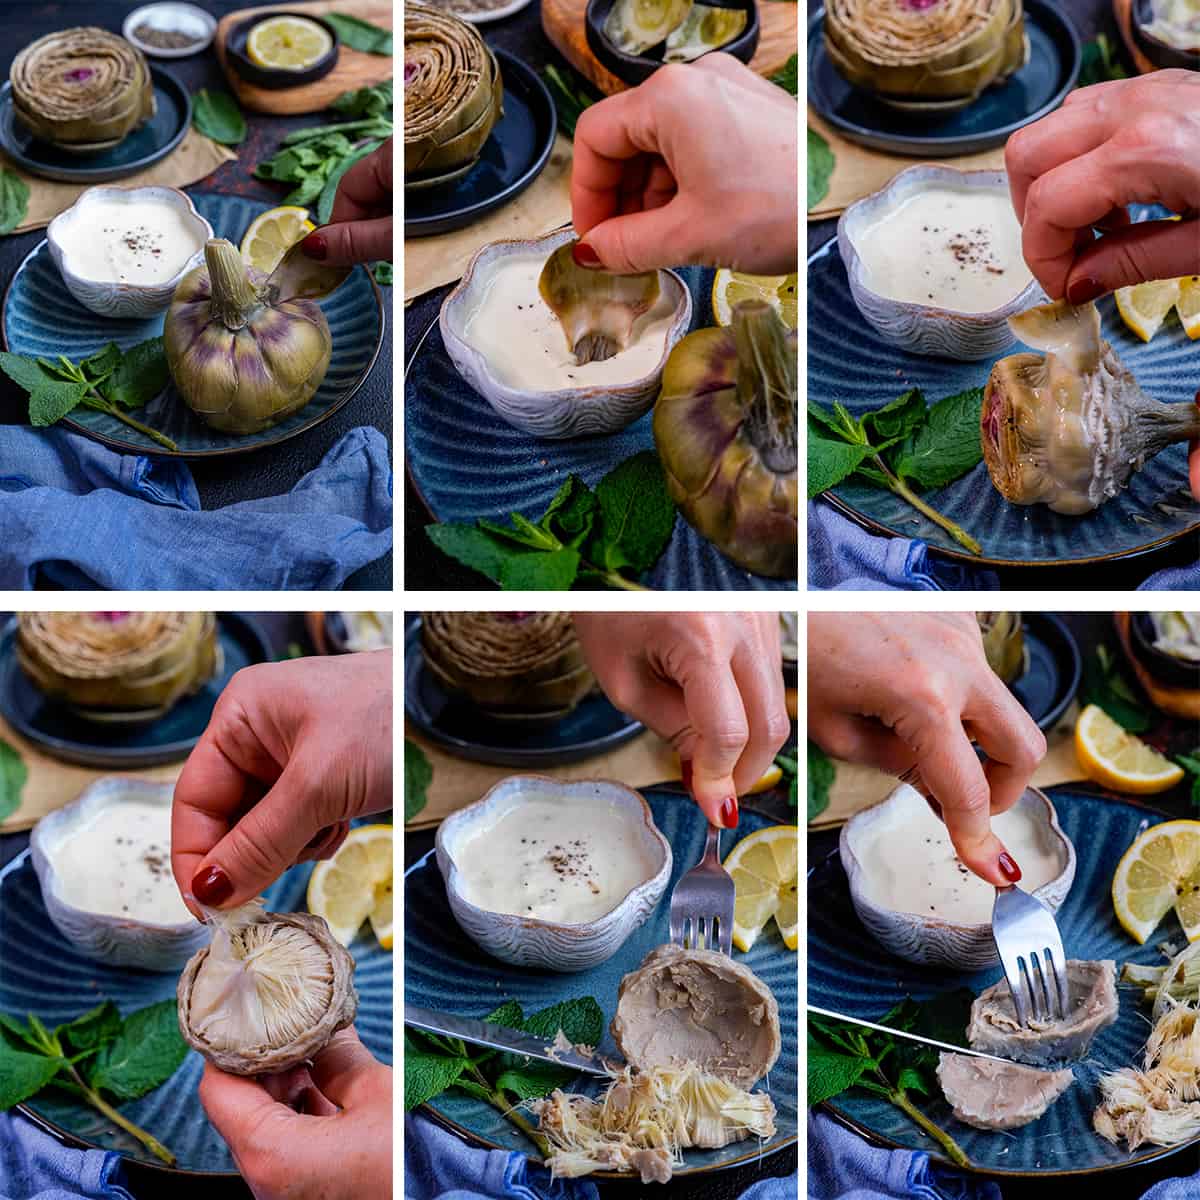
[34, 1166]
[75, 514]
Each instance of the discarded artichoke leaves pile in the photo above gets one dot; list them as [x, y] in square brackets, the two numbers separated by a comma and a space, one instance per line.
[685, 29]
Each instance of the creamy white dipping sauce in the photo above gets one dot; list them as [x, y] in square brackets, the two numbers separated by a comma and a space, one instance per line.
[568, 861]
[119, 864]
[946, 247]
[524, 344]
[139, 242]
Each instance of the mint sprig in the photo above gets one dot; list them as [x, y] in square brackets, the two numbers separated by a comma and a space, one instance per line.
[418, 775]
[13, 775]
[821, 773]
[1104, 685]
[1191, 764]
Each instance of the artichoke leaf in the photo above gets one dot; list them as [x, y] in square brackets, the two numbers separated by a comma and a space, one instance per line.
[706, 28]
[635, 26]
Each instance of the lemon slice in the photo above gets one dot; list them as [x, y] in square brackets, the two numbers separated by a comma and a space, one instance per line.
[1188, 307]
[272, 234]
[766, 781]
[1160, 871]
[288, 43]
[1117, 759]
[355, 884]
[381, 916]
[1145, 306]
[765, 867]
[732, 287]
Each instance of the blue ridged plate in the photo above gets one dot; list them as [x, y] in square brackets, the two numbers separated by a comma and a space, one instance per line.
[465, 462]
[444, 969]
[849, 972]
[849, 363]
[41, 973]
[41, 318]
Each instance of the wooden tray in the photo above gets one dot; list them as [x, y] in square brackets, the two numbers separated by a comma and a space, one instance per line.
[1123, 11]
[354, 69]
[563, 22]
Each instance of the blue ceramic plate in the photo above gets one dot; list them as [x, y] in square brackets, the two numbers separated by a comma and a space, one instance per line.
[41, 318]
[849, 972]
[1030, 93]
[863, 372]
[465, 462]
[1052, 668]
[593, 727]
[112, 747]
[156, 139]
[41, 973]
[444, 969]
[513, 157]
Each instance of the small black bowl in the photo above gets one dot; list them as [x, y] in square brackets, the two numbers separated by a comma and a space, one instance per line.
[271, 77]
[1157, 51]
[637, 68]
[1165, 668]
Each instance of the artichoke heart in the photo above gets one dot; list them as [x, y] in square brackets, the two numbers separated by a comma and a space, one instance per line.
[636, 26]
[596, 309]
[1070, 428]
[706, 28]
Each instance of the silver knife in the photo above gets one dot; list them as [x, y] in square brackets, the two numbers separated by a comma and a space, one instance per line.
[497, 1037]
[912, 1037]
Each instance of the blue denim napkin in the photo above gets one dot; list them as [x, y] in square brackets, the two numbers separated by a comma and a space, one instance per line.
[75, 514]
[34, 1166]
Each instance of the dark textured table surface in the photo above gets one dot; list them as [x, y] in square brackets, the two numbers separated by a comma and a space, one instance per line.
[275, 470]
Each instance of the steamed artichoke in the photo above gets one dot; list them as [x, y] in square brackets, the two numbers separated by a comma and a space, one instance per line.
[1070, 429]
[726, 429]
[242, 356]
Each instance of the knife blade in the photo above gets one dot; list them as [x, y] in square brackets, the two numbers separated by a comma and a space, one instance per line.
[497, 1037]
[901, 1033]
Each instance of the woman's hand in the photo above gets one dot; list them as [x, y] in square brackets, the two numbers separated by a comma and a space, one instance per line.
[292, 752]
[697, 165]
[895, 690]
[360, 227]
[1113, 144]
[710, 683]
[338, 1146]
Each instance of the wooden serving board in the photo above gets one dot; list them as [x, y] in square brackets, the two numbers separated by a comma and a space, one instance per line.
[1123, 11]
[563, 22]
[353, 70]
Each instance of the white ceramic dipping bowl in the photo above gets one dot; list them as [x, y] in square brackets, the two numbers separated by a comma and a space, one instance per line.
[934, 940]
[920, 328]
[526, 941]
[118, 941]
[108, 297]
[566, 412]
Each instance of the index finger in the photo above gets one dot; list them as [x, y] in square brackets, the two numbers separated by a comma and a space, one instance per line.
[1010, 738]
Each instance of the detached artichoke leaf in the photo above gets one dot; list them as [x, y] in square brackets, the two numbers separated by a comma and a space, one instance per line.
[706, 28]
[636, 26]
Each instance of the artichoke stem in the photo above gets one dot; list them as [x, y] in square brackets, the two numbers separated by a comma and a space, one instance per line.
[234, 297]
[1166, 424]
[766, 383]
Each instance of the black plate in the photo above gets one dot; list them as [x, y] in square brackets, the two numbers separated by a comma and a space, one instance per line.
[637, 68]
[1159, 52]
[1169, 670]
[1053, 666]
[593, 727]
[155, 140]
[513, 157]
[169, 739]
[1033, 91]
[273, 77]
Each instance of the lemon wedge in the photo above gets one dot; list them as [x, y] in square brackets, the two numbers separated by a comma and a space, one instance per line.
[1111, 756]
[732, 287]
[1188, 307]
[272, 234]
[355, 885]
[765, 867]
[766, 781]
[288, 43]
[1145, 306]
[1160, 871]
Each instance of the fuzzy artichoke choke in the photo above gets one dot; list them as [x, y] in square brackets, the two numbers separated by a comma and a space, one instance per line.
[1069, 429]
[83, 90]
[726, 429]
[453, 94]
[705, 28]
[635, 26]
[242, 356]
[1003, 643]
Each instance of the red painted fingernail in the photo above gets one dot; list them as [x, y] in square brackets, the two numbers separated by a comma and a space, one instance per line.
[1008, 868]
[729, 813]
[685, 772]
[314, 245]
[584, 255]
[1084, 290]
[212, 887]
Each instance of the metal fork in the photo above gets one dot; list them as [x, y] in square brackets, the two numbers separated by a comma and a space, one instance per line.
[702, 902]
[1031, 950]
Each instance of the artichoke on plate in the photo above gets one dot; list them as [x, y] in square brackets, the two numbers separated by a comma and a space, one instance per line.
[1069, 427]
[1003, 642]
[705, 28]
[726, 429]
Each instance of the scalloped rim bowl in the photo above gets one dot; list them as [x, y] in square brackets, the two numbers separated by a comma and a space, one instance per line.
[566, 412]
[934, 940]
[526, 941]
[919, 328]
[119, 941]
[110, 298]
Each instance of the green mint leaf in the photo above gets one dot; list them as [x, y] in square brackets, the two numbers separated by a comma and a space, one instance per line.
[427, 1074]
[829, 1072]
[472, 547]
[358, 34]
[1189, 762]
[140, 376]
[17, 1033]
[946, 446]
[14, 200]
[788, 78]
[23, 1074]
[473, 1089]
[897, 419]
[572, 513]
[373, 101]
[825, 421]
[418, 775]
[821, 162]
[1098, 63]
[821, 774]
[93, 1029]
[571, 95]
[830, 462]
[581, 1019]
[13, 776]
[912, 1079]
[1196, 792]
[102, 364]
[1104, 686]
[532, 1079]
[509, 1014]
[540, 571]
[534, 536]
[384, 274]
[146, 1053]
[217, 116]
[635, 515]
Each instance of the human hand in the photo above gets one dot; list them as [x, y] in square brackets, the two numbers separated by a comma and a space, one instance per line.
[292, 752]
[898, 689]
[697, 165]
[360, 227]
[338, 1146]
[710, 683]
[1109, 145]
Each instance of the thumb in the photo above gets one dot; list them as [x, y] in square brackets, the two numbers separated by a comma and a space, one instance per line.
[351, 242]
[1135, 254]
[631, 243]
[711, 787]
